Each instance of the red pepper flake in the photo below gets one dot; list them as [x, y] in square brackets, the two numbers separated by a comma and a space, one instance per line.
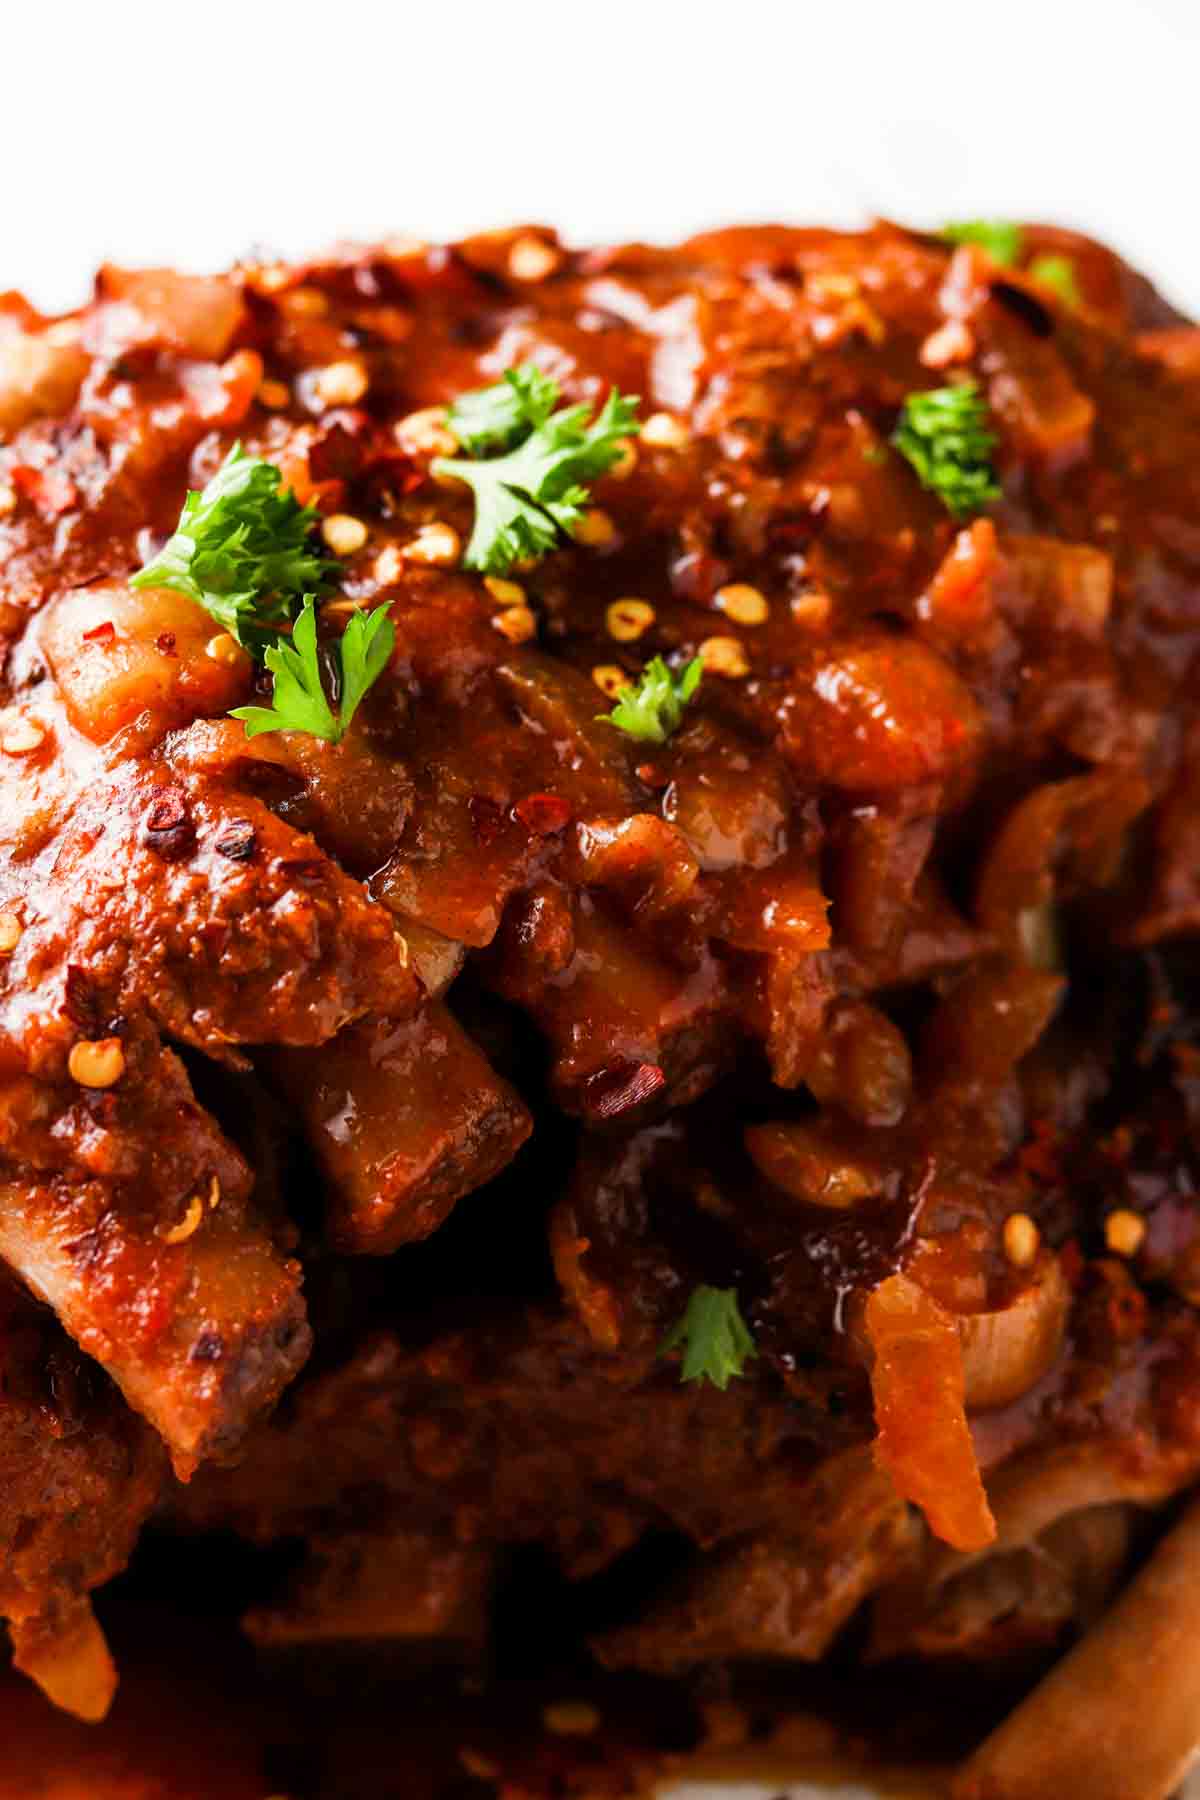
[390, 477]
[168, 812]
[103, 633]
[51, 490]
[337, 454]
[167, 827]
[619, 1086]
[80, 1004]
[543, 814]
[164, 643]
[238, 841]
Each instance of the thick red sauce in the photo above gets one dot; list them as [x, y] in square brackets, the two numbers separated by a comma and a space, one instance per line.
[452, 1058]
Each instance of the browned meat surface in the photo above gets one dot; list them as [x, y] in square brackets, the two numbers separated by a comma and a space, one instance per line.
[146, 1248]
[424, 1594]
[405, 1117]
[78, 1475]
[825, 1044]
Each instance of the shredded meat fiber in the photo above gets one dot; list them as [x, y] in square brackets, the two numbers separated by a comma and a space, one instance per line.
[420, 1079]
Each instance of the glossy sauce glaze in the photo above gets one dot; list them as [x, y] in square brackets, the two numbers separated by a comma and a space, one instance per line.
[870, 993]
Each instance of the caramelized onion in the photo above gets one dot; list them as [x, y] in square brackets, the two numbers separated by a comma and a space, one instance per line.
[863, 1065]
[924, 1440]
[1064, 837]
[1006, 1352]
[988, 1022]
[809, 1162]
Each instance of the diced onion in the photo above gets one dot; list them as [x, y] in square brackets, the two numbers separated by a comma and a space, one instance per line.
[1006, 1352]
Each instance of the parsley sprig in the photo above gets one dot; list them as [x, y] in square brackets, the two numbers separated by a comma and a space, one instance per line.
[493, 418]
[944, 434]
[298, 699]
[532, 494]
[653, 708]
[242, 550]
[714, 1337]
[1002, 240]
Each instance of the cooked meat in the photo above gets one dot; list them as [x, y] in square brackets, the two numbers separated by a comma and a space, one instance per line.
[1014, 1602]
[426, 1595]
[144, 1245]
[780, 1597]
[523, 1432]
[78, 1475]
[675, 917]
[405, 1117]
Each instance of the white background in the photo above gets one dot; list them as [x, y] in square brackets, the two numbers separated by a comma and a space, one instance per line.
[189, 133]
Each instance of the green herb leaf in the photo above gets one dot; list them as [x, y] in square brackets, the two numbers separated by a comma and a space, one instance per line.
[298, 699]
[1058, 274]
[944, 434]
[364, 651]
[532, 495]
[653, 709]
[714, 1337]
[999, 237]
[493, 418]
[242, 549]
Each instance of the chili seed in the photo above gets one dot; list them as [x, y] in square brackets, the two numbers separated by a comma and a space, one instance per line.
[743, 604]
[344, 534]
[628, 619]
[610, 678]
[508, 593]
[426, 433]
[516, 623]
[663, 431]
[20, 735]
[1022, 1240]
[1124, 1232]
[723, 656]
[340, 384]
[595, 530]
[224, 648]
[96, 1062]
[533, 259]
[437, 544]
